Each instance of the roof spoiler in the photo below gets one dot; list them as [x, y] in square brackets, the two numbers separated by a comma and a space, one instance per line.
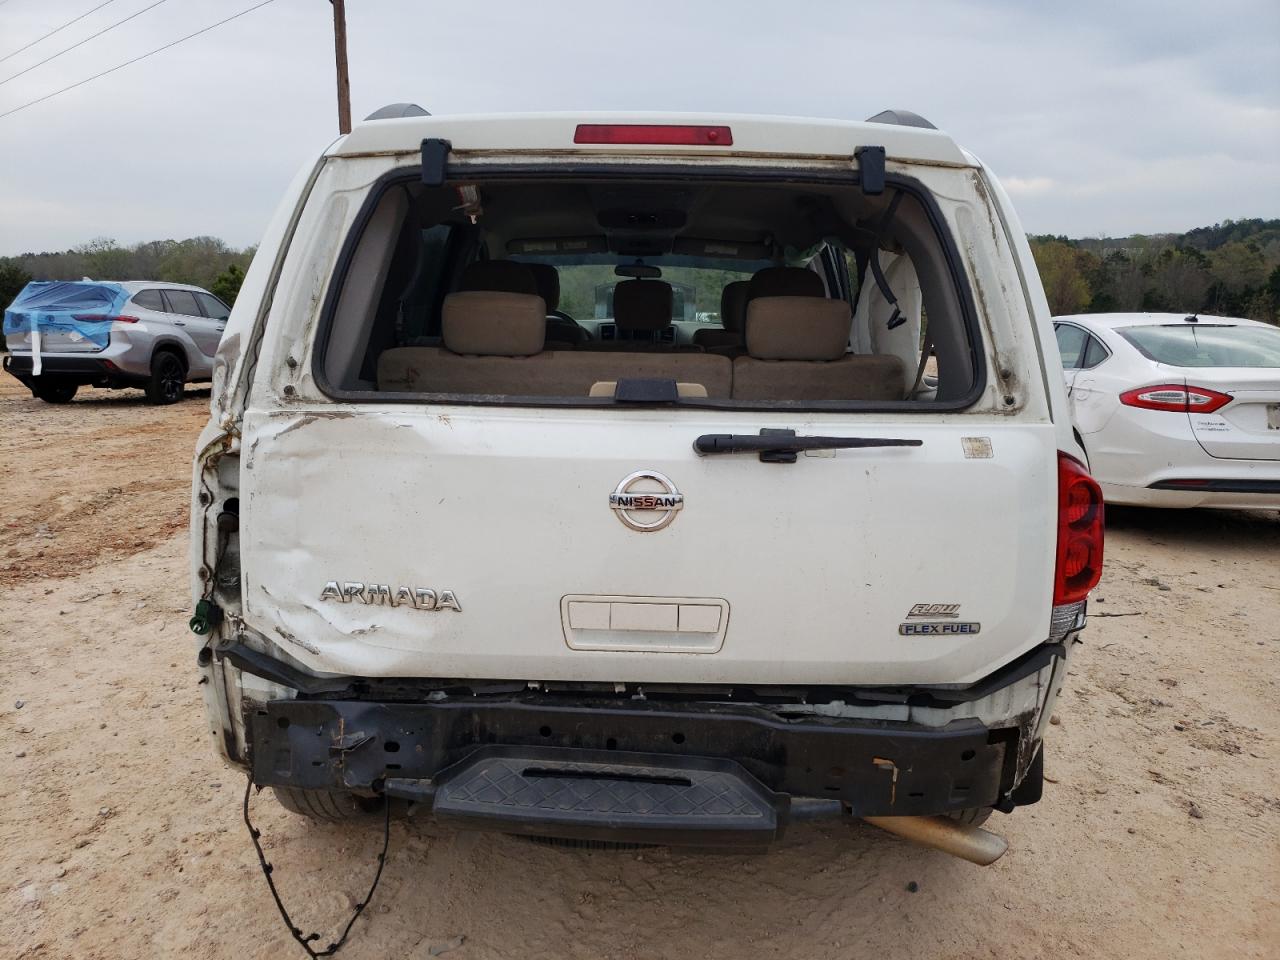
[902, 118]
[394, 111]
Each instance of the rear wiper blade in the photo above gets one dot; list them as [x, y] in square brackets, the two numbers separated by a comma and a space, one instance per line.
[785, 441]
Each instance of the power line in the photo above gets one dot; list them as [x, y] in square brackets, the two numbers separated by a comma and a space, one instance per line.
[82, 42]
[53, 31]
[144, 56]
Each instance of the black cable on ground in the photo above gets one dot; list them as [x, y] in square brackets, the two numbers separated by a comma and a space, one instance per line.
[267, 869]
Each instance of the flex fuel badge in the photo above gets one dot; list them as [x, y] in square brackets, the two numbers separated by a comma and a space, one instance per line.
[936, 620]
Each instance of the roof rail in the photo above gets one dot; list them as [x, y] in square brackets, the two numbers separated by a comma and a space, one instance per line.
[903, 118]
[394, 110]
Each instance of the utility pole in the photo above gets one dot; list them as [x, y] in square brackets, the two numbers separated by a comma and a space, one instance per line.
[340, 53]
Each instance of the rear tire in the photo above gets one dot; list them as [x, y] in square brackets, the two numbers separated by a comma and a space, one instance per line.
[168, 375]
[54, 391]
[972, 817]
[326, 806]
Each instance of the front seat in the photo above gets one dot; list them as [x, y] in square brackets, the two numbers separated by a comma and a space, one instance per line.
[733, 311]
[561, 328]
[642, 310]
[498, 276]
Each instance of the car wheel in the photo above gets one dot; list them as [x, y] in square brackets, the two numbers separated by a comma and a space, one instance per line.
[326, 806]
[54, 391]
[168, 374]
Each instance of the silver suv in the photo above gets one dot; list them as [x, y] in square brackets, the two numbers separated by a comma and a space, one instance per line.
[136, 333]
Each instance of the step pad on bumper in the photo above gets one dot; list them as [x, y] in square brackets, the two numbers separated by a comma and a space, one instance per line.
[632, 797]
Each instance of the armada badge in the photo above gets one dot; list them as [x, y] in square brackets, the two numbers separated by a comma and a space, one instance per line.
[661, 505]
[382, 594]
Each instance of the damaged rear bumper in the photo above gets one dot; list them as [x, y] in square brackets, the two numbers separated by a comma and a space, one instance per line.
[684, 771]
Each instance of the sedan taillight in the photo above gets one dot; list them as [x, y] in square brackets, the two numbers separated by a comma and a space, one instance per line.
[1080, 525]
[1176, 398]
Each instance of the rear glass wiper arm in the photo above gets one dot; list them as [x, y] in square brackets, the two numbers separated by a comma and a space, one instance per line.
[780, 442]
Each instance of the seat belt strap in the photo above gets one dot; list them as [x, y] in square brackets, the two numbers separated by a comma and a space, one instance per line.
[925, 350]
[896, 319]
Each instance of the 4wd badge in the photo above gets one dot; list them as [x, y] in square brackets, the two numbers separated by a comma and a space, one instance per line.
[927, 617]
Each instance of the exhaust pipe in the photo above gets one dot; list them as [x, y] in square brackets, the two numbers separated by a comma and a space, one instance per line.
[942, 833]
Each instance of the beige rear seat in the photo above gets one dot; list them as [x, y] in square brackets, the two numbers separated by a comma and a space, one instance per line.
[493, 345]
[796, 350]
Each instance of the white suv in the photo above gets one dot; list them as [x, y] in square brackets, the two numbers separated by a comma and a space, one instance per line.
[459, 540]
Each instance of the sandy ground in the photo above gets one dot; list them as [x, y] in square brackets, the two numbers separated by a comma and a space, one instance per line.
[120, 833]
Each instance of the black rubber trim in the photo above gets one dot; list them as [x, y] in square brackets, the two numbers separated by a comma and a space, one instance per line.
[259, 664]
[1221, 486]
[713, 170]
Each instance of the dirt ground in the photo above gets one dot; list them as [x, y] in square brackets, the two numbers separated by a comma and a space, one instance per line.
[120, 833]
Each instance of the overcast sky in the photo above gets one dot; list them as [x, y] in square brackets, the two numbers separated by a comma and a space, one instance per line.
[1100, 117]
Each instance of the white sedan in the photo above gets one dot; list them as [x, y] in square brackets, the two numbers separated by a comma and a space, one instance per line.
[1174, 410]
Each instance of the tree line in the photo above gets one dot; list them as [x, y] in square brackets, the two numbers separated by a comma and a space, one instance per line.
[204, 261]
[1229, 269]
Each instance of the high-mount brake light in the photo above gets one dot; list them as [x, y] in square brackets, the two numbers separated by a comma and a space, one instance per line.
[1080, 532]
[685, 135]
[1176, 398]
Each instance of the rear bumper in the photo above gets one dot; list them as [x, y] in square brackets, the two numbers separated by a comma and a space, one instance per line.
[87, 370]
[1147, 469]
[1256, 492]
[595, 767]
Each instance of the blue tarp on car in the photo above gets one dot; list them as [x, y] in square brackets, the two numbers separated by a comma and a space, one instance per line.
[62, 306]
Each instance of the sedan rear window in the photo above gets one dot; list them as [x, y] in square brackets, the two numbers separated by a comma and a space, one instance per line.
[1207, 345]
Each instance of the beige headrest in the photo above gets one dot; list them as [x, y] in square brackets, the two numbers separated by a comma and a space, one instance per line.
[733, 305]
[547, 278]
[498, 275]
[786, 282]
[642, 305]
[489, 324]
[797, 328]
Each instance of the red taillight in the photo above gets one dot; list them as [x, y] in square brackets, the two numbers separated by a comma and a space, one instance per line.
[1080, 525]
[102, 318]
[1176, 398]
[672, 134]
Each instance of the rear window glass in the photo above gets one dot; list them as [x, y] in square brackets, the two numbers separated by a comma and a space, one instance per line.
[149, 300]
[547, 291]
[182, 302]
[1207, 345]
